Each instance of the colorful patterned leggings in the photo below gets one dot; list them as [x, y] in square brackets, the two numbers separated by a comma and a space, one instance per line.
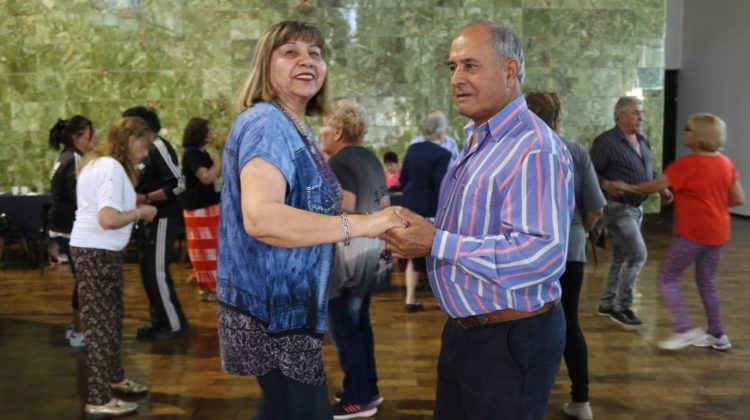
[100, 281]
[706, 259]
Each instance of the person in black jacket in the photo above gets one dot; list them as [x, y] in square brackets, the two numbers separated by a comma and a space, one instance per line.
[76, 136]
[160, 183]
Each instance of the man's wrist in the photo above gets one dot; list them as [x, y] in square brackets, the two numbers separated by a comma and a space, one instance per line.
[604, 184]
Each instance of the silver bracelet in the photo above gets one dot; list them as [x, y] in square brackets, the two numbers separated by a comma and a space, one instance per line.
[347, 229]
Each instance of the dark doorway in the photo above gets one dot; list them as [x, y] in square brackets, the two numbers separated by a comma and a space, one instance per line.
[671, 82]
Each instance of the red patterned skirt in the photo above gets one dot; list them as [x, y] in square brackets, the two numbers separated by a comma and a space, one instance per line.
[201, 232]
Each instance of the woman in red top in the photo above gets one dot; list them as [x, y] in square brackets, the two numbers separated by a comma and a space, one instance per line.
[705, 184]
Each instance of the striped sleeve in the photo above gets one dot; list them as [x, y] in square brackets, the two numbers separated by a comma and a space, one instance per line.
[173, 178]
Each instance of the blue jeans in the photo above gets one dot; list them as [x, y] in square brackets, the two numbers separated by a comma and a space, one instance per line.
[351, 332]
[628, 255]
[499, 371]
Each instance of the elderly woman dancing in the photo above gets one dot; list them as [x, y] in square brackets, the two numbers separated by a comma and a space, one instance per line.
[280, 214]
[104, 219]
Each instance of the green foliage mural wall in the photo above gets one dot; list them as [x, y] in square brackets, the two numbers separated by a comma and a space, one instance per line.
[188, 58]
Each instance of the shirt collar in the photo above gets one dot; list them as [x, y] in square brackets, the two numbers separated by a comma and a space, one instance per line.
[623, 137]
[499, 124]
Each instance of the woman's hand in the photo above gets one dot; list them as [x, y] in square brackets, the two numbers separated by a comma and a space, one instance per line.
[415, 240]
[147, 212]
[620, 187]
[376, 224]
[109, 218]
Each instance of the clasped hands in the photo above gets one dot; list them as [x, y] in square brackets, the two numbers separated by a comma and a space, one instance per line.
[617, 188]
[406, 234]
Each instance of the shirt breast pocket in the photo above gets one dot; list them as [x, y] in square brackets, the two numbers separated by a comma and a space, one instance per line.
[319, 199]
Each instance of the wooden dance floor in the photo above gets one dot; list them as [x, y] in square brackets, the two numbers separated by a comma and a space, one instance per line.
[42, 378]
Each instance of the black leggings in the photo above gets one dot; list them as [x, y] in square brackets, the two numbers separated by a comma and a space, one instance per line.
[576, 353]
[64, 244]
[287, 399]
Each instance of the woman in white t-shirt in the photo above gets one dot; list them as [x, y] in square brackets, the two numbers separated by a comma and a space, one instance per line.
[104, 218]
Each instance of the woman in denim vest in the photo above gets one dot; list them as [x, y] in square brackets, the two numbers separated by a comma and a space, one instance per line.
[281, 212]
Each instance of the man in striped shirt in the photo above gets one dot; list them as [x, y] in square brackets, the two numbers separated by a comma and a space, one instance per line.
[499, 240]
[623, 154]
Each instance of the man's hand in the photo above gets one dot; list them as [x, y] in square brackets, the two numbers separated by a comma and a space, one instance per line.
[666, 197]
[415, 240]
[612, 188]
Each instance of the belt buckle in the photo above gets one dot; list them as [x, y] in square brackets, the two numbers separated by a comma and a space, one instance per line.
[481, 321]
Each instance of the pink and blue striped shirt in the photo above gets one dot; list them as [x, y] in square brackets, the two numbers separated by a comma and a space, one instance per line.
[503, 217]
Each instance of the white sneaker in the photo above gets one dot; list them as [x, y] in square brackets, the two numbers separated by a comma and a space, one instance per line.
[681, 340]
[76, 339]
[721, 343]
[578, 411]
[69, 332]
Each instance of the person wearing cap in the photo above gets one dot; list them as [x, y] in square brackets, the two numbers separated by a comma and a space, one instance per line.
[160, 183]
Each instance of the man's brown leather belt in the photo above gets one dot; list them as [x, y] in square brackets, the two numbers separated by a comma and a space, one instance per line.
[502, 315]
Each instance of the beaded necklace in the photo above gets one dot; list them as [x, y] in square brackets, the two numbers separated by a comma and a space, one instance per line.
[303, 129]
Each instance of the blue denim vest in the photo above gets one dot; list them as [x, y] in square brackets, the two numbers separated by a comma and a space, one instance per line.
[283, 287]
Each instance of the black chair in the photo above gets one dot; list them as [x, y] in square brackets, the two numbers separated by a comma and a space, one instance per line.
[41, 238]
[25, 219]
[8, 234]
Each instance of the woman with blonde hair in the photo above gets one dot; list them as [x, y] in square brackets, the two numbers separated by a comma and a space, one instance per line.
[105, 216]
[350, 289]
[280, 214]
[705, 184]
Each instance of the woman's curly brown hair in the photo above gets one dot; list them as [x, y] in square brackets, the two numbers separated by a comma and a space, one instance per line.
[117, 144]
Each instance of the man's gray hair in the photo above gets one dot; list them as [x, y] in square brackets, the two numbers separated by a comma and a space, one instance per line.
[624, 103]
[434, 125]
[506, 42]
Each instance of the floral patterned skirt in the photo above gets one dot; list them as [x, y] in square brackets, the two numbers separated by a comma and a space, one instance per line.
[247, 349]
